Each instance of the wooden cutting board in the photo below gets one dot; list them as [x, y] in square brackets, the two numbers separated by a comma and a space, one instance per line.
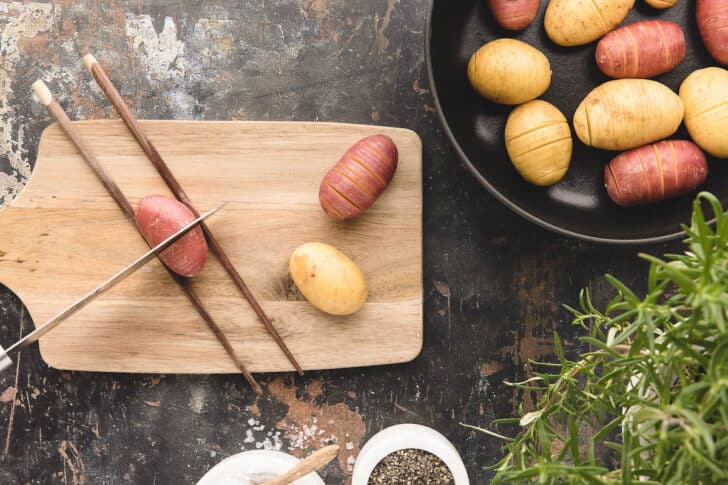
[63, 235]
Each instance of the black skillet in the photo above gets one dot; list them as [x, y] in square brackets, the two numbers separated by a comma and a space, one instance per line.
[578, 205]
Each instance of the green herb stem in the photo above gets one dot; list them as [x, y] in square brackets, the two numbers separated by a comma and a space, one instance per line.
[649, 402]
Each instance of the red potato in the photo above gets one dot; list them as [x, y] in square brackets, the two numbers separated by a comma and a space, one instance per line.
[641, 50]
[158, 217]
[712, 17]
[655, 172]
[514, 14]
[359, 178]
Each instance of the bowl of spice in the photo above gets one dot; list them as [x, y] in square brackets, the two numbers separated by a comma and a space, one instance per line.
[255, 467]
[407, 454]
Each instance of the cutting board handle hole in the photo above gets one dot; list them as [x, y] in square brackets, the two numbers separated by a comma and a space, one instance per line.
[15, 320]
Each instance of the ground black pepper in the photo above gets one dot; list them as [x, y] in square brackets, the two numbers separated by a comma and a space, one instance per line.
[411, 467]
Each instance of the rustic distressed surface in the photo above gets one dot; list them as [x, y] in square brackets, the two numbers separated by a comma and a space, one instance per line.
[492, 281]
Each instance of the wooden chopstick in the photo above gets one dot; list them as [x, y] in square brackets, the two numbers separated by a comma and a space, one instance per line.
[113, 95]
[55, 109]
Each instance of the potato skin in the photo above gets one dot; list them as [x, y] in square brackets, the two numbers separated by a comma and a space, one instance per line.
[328, 279]
[158, 217]
[661, 4]
[655, 172]
[578, 22]
[508, 71]
[641, 50]
[538, 142]
[514, 14]
[352, 185]
[627, 113]
[705, 95]
[712, 17]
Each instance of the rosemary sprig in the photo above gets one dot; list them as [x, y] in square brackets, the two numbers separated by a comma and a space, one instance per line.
[649, 402]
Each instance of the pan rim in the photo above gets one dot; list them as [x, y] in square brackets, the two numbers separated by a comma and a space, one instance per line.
[470, 166]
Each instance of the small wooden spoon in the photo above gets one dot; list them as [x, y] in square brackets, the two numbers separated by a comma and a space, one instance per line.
[311, 463]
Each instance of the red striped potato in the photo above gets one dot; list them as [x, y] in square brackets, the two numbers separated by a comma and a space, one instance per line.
[655, 172]
[712, 18]
[514, 14]
[158, 217]
[642, 49]
[359, 178]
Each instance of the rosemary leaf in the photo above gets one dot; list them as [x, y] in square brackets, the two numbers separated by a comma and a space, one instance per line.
[649, 402]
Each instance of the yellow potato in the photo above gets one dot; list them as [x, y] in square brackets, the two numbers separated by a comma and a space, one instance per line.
[328, 279]
[578, 22]
[627, 113]
[705, 95]
[508, 71]
[661, 4]
[538, 141]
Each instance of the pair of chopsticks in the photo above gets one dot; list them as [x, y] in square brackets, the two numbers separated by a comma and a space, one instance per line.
[46, 98]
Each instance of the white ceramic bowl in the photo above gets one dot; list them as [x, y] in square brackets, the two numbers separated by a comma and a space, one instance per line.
[403, 436]
[256, 464]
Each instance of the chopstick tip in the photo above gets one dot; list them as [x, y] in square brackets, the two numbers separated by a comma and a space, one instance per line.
[41, 90]
[88, 61]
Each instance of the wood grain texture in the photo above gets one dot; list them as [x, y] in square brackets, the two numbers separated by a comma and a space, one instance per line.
[64, 234]
[160, 165]
[81, 145]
